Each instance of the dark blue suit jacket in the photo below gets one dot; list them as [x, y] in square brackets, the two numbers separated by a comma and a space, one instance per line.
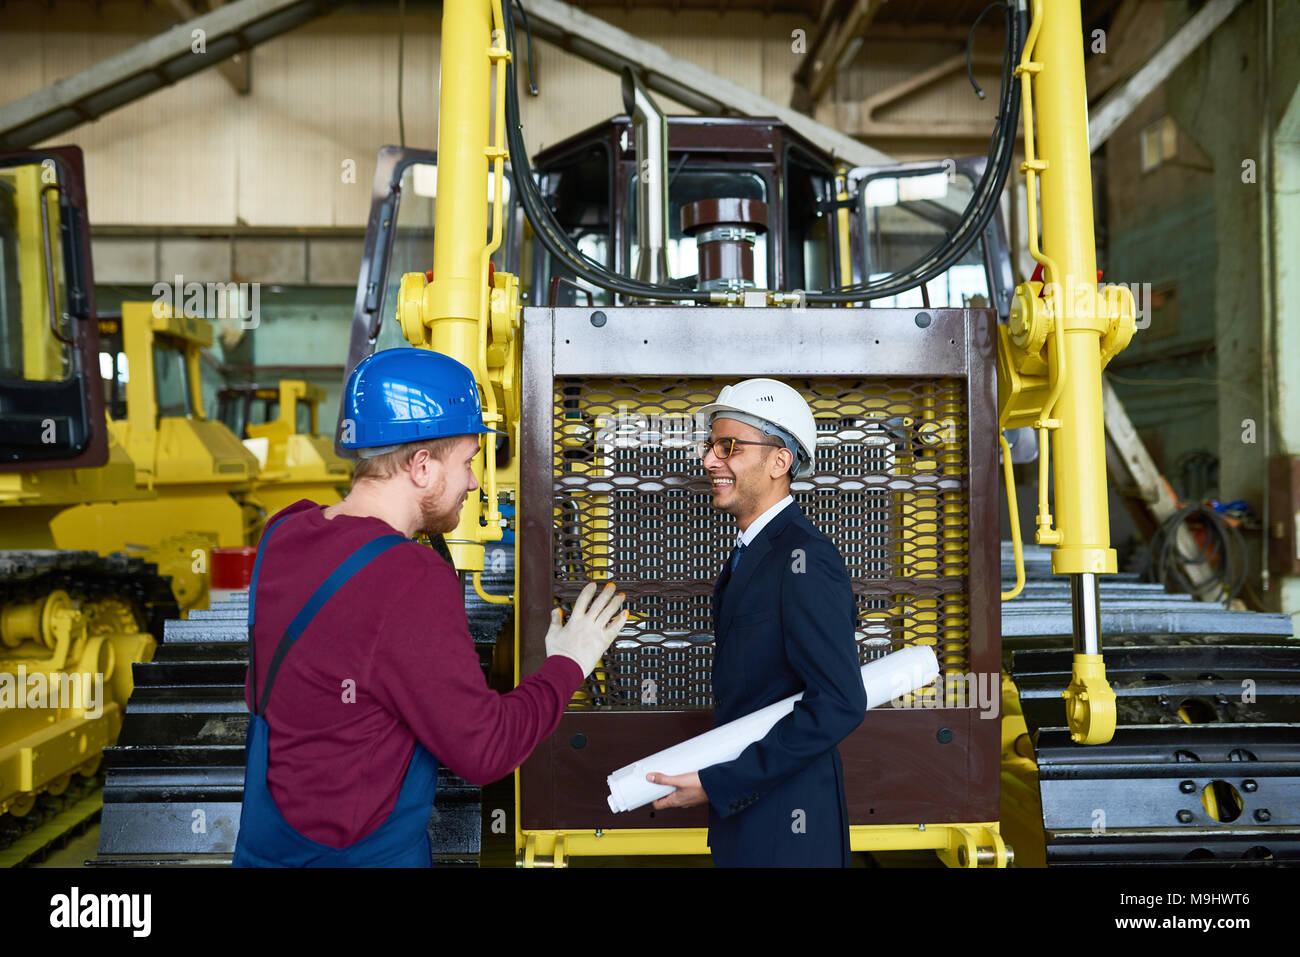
[784, 623]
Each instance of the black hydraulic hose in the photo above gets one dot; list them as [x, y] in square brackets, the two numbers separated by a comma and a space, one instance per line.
[974, 220]
[548, 231]
[533, 89]
[979, 211]
[970, 43]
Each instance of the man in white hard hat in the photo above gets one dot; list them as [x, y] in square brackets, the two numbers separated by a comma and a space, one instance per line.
[784, 620]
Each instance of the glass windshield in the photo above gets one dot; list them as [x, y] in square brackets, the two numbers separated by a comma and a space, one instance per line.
[902, 219]
[171, 380]
[113, 367]
[231, 410]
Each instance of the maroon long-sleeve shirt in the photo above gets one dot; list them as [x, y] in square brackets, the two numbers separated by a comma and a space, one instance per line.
[386, 662]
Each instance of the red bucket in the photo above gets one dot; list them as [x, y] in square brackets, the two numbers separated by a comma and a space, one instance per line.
[232, 568]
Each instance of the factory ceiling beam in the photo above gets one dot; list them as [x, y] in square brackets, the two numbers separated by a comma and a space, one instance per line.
[836, 41]
[1107, 116]
[700, 89]
[861, 119]
[832, 14]
[238, 69]
[151, 65]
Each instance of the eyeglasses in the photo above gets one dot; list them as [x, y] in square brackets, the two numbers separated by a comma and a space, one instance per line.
[724, 448]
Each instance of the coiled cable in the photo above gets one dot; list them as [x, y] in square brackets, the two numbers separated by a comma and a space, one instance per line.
[1224, 554]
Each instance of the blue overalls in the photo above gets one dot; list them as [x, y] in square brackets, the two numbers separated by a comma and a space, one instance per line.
[265, 838]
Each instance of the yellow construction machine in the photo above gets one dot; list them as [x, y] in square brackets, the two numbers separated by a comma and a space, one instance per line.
[72, 623]
[114, 488]
[604, 291]
[198, 473]
[280, 426]
[905, 401]
[194, 486]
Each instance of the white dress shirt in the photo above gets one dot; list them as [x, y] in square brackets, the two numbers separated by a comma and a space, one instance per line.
[758, 524]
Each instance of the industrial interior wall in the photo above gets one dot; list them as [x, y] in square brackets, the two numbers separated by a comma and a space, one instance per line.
[299, 149]
[1285, 290]
[879, 97]
[1195, 378]
[1158, 232]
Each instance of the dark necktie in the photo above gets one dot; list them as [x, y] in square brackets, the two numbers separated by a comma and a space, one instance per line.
[735, 557]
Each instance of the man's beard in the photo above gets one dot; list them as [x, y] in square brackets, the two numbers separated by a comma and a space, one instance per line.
[433, 521]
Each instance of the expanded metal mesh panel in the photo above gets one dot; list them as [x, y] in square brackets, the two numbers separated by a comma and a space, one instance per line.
[632, 504]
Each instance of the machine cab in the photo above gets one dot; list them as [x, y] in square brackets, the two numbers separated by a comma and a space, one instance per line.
[51, 403]
[592, 179]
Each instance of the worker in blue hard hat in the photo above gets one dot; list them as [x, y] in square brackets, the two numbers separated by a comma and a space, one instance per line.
[363, 677]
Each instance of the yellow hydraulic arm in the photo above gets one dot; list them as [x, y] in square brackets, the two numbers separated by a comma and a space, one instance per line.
[1060, 336]
[468, 311]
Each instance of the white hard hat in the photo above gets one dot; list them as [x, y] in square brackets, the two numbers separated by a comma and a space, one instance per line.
[769, 401]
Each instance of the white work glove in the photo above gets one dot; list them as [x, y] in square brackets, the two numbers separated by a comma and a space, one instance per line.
[591, 628]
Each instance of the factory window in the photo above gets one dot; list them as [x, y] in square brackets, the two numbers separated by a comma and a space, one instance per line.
[1158, 143]
[171, 381]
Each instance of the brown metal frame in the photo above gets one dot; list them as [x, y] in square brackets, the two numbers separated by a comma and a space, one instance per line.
[898, 769]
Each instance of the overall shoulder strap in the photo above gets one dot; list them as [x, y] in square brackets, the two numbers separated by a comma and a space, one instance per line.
[252, 603]
[358, 560]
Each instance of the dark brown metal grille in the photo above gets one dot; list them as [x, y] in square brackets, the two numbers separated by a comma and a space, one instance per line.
[632, 504]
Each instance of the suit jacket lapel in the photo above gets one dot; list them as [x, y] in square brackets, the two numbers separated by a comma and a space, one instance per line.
[727, 593]
[719, 587]
[750, 559]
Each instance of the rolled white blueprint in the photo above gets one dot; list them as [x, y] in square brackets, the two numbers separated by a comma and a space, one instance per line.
[885, 678]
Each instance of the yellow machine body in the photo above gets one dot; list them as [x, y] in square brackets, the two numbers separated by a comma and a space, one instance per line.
[164, 494]
[65, 676]
[295, 465]
[1060, 336]
[459, 315]
[65, 659]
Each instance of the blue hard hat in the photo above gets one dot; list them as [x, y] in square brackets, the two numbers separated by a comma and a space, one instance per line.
[409, 395]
